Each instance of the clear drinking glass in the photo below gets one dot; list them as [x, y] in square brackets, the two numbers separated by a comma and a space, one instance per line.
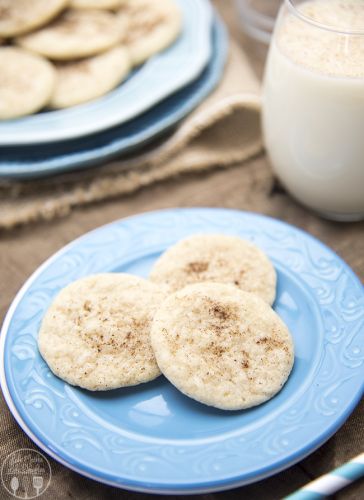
[313, 105]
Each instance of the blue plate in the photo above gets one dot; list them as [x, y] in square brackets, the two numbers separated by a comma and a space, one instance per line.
[162, 75]
[37, 161]
[153, 438]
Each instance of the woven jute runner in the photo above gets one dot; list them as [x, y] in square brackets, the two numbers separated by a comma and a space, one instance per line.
[222, 131]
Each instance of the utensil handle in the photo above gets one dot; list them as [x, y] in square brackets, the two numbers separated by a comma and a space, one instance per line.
[331, 482]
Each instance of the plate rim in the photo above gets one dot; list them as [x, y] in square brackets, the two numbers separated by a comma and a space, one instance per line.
[89, 128]
[166, 487]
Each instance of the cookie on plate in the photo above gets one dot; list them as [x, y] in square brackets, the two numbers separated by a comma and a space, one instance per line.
[86, 79]
[20, 16]
[96, 4]
[152, 26]
[96, 333]
[222, 346]
[218, 258]
[26, 82]
[75, 34]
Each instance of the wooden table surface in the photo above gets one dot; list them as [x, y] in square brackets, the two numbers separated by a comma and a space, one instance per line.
[248, 187]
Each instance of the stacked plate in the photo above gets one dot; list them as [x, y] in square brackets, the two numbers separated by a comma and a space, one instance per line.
[155, 98]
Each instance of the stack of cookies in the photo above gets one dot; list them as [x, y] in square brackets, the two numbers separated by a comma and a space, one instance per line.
[203, 319]
[60, 53]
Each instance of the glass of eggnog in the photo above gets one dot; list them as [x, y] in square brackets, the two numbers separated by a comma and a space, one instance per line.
[313, 105]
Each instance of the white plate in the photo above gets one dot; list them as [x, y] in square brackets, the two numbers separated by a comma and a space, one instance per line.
[158, 78]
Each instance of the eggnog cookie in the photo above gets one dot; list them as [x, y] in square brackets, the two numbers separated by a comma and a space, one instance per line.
[96, 4]
[222, 346]
[75, 34]
[26, 82]
[96, 333]
[152, 26]
[81, 81]
[20, 16]
[217, 258]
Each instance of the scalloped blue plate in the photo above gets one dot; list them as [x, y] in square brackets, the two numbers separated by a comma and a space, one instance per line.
[162, 75]
[152, 438]
[28, 162]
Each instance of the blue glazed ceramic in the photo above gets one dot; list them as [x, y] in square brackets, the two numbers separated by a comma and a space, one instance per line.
[37, 161]
[162, 75]
[153, 438]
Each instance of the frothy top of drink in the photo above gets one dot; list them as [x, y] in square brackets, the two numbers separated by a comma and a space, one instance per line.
[329, 49]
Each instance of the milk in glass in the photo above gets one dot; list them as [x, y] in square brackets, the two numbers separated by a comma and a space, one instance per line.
[313, 104]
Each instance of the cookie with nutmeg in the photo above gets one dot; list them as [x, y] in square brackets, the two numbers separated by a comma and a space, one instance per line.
[219, 258]
[151, 26]
[21, 16]
[96, 4]
[26, 82]
[96, 333]
[222, 346]
[75, 34]
[87, 79]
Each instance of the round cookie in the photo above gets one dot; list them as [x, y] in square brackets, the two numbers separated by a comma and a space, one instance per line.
[152, 27]
[75, 34]
[217, 258]
[96, 4]
[26, 82]
[96, 333]
[222, 346]
[20, 16]
[81, 81]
